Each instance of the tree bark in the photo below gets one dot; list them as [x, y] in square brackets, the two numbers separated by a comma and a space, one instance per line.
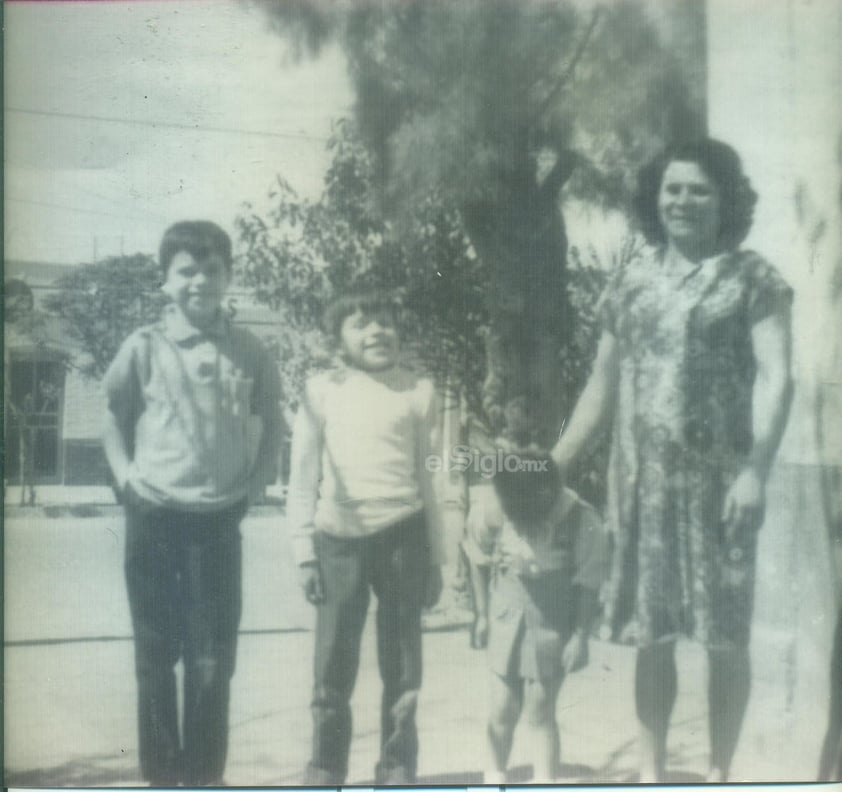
[521, 238]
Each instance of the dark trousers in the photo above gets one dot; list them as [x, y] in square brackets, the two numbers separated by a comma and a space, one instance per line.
[394, 564]
[183, 574]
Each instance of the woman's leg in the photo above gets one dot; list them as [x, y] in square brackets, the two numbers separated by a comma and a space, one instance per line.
[506, 701]
[655, 691]
[539, 705]
[830, 764]
[729, 684]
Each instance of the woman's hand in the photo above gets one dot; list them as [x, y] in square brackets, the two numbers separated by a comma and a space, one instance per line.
[745, 504]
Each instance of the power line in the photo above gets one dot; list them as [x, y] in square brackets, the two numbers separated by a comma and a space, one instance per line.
[109, 200]
[77, 209]
[165, 124]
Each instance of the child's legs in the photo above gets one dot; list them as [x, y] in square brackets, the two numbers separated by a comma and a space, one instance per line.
[339, 625]
[212, 590]
[151, 568]
[506, 698]
[539, 705]
[398, 567]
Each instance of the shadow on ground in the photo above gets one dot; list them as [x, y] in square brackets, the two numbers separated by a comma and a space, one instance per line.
[88, 771]
[521, 774]
[85, 511]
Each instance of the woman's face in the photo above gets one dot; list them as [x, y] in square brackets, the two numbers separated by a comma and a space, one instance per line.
[688, 207]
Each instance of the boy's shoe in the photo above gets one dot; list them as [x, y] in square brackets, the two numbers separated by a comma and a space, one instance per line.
[393, 776]
[320, 776]
[165, 782]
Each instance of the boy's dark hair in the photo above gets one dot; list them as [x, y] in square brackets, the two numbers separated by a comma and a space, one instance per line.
[199, 238]
[366, 301]
[723, 167]
[527, 494]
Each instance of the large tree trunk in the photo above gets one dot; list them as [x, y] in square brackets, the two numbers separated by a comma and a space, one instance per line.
[522, 240]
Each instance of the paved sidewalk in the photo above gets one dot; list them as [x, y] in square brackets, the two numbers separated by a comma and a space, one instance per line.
[69, 687]
[57, 500]
[70, 717]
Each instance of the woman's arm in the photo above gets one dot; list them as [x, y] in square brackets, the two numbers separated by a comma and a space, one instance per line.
[771, 399]
[594, 407]
[773, 388]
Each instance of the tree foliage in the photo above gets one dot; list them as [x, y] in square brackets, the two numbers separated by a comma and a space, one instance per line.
[101, 304]
[462, 96]
[489, 108]
[303, 253]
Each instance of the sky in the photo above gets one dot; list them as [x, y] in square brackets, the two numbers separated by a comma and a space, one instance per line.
[122, 117]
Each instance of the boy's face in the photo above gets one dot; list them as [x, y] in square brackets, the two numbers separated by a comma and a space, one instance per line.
[197, 286]
[369, 341]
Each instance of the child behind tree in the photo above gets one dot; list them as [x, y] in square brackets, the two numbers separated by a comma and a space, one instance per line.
[538, 557]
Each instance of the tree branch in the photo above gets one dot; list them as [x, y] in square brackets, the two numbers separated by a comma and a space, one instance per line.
[571, 67]
[560, 173]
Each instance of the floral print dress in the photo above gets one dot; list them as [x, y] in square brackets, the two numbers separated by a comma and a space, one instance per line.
[682, 433]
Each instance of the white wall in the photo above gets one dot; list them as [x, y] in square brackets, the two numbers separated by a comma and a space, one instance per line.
[775, 92]
[775, 84]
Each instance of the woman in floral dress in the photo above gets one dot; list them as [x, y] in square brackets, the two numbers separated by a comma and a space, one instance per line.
[693, 371]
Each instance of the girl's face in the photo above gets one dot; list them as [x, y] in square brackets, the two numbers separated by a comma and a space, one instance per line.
[369, 341]
[688, 207]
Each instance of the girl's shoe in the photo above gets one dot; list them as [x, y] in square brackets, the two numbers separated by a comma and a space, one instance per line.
[494, 778]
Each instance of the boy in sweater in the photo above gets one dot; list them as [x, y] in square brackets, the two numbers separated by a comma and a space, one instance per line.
[364, 517]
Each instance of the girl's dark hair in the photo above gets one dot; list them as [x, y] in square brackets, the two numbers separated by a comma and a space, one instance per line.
[527, 494]
[199, 238]
[366, 301]
[722, 165]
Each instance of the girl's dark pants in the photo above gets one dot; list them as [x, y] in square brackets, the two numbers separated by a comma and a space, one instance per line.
[394, 563]
[183, 573]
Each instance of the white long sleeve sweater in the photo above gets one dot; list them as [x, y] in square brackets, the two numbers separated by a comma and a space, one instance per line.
[359, 450]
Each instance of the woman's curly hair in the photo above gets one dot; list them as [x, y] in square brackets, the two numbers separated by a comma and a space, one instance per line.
[723, 166]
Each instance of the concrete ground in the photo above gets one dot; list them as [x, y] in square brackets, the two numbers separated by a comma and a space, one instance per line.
[69, 684]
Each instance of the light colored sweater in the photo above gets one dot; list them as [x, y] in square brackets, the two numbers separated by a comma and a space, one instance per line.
[359, 447]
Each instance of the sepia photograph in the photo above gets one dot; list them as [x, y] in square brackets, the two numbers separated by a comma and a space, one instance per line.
[422, 392]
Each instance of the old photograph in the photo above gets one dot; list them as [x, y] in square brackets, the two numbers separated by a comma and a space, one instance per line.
[422, 392]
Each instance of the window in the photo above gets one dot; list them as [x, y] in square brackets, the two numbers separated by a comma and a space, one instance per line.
[36, 394]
